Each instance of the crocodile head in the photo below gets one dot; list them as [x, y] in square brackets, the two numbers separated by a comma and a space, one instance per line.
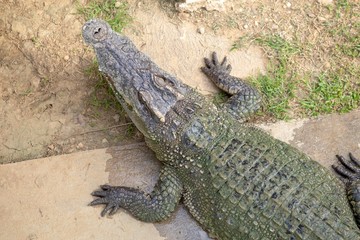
[145, 91]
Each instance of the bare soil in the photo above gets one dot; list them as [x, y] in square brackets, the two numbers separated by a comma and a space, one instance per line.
[45, 95]
[47, 104]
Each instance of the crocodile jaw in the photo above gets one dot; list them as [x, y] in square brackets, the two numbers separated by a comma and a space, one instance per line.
[146, 92]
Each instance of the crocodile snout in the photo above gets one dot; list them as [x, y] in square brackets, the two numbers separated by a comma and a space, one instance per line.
[95, 31]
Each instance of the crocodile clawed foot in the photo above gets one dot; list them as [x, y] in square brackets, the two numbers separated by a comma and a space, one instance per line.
[348, 169]
[213, 65]
[107, 195]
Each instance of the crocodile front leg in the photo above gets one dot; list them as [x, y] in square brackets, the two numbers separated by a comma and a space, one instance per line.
[349, 171]
[245, 99]
[154, 207]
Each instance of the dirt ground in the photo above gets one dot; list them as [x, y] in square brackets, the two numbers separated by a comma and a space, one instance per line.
[43, 88]
[45, 94]
[46, 97]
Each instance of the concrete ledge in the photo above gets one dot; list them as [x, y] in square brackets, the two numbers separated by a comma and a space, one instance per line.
[47, 199]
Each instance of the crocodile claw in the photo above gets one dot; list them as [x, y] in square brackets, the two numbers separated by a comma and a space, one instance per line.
[213, 65]
[107, 195]
[348, 169]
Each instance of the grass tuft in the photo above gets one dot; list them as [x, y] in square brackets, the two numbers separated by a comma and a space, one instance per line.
[103, 99]
[112, 11]
[103, 96]
[277, 86]
[330, 93]
[284, 49]
[277, 93]
[219, 98]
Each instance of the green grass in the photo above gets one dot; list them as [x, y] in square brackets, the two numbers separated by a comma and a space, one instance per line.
[103, 96]
[330, 93]
[349, 40]
[103, 99]
[283, 48]
[283, 87]
[277, 92]
[241, 42]
[346, 33]
[112, 11]
[313, 61]
[219, 98]
[277, 86]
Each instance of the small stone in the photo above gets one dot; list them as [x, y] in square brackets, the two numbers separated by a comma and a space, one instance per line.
[195, 5]
[310, 14]
[105, 141]
[51, 147]
[66, 58]
[246, 26]
[35, 81]
[183, 15]
[117, 4]
[322, 19]
[80, 119]
[288, 4]
[201, 30]
[325, 2]
[80, 146]
[256, 23]
[42, 33]
[116, 118]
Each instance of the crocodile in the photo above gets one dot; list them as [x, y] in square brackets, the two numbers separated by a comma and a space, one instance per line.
[236, 180]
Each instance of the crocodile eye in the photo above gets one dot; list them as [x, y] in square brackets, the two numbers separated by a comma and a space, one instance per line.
[162, 81]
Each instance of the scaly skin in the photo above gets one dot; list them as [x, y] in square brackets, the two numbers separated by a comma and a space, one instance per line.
[237, 181]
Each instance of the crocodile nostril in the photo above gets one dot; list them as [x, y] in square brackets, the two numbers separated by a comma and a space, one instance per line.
[97, 31]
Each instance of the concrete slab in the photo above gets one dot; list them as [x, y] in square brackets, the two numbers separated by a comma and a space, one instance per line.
[321, 138]
[47, 198]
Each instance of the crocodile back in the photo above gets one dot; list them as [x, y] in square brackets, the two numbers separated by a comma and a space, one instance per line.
[244, 184]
